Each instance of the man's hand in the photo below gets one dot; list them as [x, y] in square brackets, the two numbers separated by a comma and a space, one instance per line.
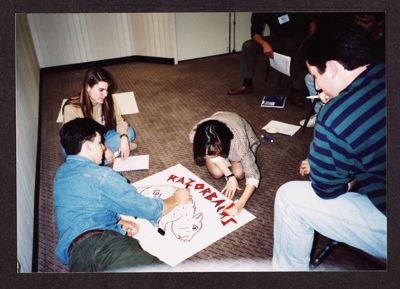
[304, 168]
[324, 98]
[182, 196]
[267, 50]
[131, 228]
[109, 156]
[351, 184]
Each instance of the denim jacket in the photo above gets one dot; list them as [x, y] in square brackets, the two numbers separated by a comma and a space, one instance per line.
[88, 196]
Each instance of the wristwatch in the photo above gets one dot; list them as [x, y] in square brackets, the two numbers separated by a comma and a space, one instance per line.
[227, 177]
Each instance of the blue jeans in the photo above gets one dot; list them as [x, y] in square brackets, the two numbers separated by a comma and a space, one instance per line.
[350, 218]
[112, 140]
[309, 80]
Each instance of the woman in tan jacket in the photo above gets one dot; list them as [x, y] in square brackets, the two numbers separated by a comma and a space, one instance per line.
[96, 101]
[226, 144]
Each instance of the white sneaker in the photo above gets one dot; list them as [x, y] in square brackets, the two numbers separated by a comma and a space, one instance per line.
[311, 121]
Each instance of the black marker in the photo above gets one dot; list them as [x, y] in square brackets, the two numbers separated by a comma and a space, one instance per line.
[268, 139]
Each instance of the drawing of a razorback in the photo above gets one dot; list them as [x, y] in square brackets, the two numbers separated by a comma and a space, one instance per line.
[182, 221]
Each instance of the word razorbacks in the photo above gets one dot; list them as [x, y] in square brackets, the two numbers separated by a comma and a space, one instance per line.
[208, 195]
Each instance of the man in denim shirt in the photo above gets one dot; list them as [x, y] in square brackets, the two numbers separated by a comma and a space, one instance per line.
[88, 200]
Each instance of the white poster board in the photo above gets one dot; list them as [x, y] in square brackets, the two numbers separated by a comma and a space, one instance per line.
[190, 228]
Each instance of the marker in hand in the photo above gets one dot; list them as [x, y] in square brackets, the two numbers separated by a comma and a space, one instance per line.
[268, 139]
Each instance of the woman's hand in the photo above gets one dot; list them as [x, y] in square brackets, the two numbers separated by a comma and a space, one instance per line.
[131, 228]
[230, 188]
[235, 210]
[304, 168]
[124, 148]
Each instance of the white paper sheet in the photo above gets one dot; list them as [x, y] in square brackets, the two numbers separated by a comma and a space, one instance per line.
[126, 102]
[281, 127]
[132, 163]
[281, 63]
[60, 116]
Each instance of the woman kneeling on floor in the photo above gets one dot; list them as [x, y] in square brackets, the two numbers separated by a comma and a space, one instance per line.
[226, 144]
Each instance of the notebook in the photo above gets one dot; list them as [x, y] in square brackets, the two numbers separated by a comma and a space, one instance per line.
[273, 101]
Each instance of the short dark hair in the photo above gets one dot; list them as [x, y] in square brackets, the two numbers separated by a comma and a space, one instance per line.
[75, 132]
[379, 16]
[212, 137]
[350, 45]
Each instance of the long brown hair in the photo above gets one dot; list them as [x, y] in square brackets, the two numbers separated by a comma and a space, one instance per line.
[92, 77]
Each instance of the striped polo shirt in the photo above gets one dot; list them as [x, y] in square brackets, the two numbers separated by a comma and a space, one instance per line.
[350, 140]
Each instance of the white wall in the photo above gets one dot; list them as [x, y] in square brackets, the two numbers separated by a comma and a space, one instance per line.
[201, 34]
[153, 34]
[62, 39]
[207, 34]
[242, 29]
[27, 117]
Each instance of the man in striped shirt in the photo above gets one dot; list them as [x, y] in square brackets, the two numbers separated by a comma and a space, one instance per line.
[345, 199]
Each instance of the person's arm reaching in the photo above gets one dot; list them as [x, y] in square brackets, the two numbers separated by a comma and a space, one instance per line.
[231, 183]
[180, 197]
[241, 202]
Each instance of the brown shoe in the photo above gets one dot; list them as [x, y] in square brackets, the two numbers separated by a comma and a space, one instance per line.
[239, 90]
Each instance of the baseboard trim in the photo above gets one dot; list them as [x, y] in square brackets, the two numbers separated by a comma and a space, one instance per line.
[106, 62]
